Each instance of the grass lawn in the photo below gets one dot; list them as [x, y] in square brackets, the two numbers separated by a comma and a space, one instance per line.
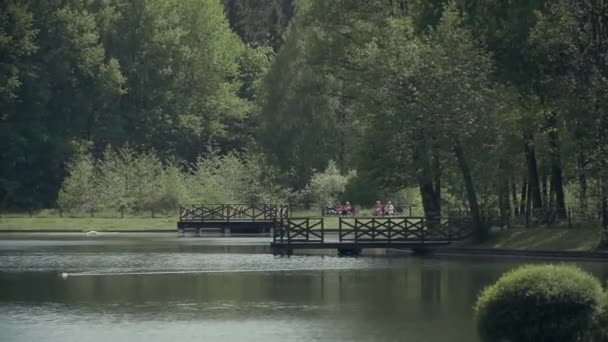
[583, 239]
[85, 223]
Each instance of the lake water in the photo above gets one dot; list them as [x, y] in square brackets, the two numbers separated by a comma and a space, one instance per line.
[162, 288]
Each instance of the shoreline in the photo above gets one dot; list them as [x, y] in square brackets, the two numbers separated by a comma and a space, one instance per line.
[449, 251]
[84, 231]
[519, 253]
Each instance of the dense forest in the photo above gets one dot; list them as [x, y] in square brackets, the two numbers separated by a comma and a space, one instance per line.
[144, 104]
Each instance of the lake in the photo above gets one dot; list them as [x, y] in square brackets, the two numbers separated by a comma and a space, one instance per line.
[161, 288]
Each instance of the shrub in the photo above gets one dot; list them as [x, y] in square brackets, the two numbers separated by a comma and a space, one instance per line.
[328, 185]
[540, 303]
[78, 191]
[600, 331]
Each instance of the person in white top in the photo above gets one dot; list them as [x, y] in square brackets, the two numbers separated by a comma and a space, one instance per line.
[389, 209]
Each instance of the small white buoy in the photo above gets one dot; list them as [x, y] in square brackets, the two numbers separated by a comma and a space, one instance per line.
[64, 275]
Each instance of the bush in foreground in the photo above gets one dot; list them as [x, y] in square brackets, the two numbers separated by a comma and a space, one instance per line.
[600, 331]
[540, 303]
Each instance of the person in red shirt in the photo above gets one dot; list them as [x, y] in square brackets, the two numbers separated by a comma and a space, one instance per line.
[347, 209]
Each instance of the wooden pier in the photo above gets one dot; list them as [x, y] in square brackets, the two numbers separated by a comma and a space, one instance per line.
[355, 234]
[352, 235]
[231, 218]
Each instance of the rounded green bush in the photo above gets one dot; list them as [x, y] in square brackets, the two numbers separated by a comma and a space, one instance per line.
[600, 331]
[536, 303]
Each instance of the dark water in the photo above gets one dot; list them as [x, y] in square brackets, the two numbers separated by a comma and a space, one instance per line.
[164, 288]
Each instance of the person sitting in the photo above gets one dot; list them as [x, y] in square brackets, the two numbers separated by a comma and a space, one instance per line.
[378, 209]
[347, 209]
[389, 209]
[330, 210]
[338, 207]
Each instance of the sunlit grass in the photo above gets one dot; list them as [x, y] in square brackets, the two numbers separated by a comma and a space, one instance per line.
[85, 223]
[544, 239]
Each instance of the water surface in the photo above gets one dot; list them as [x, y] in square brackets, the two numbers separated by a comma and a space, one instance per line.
[160, 288]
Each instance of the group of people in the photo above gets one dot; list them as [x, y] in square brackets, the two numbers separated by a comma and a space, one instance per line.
[340, 209]
[383, 210]
[347, 209]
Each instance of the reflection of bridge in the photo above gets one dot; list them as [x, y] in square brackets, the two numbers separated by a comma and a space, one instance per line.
[231, 218]
[351, 236]
[354, 233]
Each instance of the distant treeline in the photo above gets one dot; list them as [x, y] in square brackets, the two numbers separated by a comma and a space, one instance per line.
[475, 104]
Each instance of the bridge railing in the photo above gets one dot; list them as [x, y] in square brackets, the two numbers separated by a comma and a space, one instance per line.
[383, 229]
[389, 229]
[300, 230]
[233, 212]
[386, 229]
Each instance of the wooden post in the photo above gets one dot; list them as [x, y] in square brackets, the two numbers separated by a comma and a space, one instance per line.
[307, 229]
[322, 231]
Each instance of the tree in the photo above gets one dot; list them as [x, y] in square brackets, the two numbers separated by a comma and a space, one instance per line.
[62, 70]
[572, 47]
[328, 185]
[79, 191]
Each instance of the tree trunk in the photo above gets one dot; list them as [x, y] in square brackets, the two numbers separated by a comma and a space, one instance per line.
[504, 202]
[545, 189]
[604, 180]
[342, 130]
[437, 177]
[524, 197]
[533, 183]
[479, 232]
[514, 197]
[582, 179]
[430, 201]
[528, 206]
[557, 181]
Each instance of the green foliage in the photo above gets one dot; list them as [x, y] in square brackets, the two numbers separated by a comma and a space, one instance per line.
[540, 303]
[130, 181]
[436, 95]
[600, 328]
[79, 191]
[160, 74]
[327, 186]
[235, 178]
[17, 36]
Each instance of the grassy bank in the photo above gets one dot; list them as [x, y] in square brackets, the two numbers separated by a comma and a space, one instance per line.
[561, 239]
[85, 223]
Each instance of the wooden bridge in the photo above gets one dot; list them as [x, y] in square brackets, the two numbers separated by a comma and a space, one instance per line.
[351, 235]
[354, 234]
[231, 218]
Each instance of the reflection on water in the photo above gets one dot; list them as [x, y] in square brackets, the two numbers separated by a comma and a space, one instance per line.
[232, 293]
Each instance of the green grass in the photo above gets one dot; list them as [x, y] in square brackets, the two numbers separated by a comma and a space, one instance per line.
[563, 239]
[85, 223]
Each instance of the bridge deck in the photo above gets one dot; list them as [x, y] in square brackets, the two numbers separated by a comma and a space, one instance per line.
[360, 244]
